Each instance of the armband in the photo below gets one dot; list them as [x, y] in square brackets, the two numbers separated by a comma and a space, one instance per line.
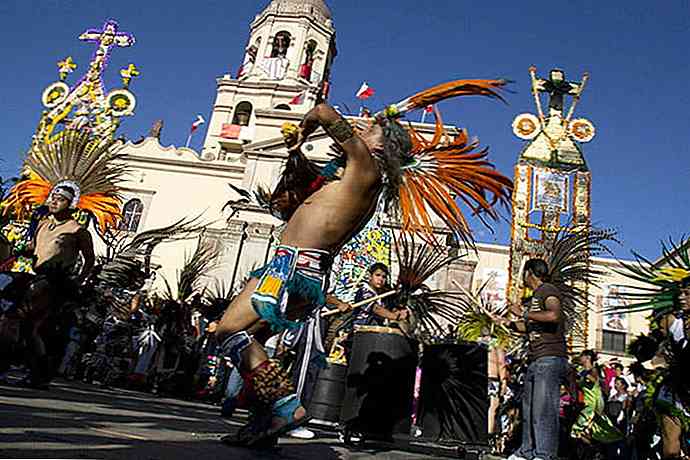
[340, 130]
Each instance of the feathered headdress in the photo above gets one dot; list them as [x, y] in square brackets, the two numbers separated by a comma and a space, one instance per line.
[85, 163]
[660, 286]
[571, 271]
[432, 175]
[436, 173]
[478, 319]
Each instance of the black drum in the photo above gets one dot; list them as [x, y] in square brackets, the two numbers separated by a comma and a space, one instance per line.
[380, 383]
[454, 401]
[329, 391]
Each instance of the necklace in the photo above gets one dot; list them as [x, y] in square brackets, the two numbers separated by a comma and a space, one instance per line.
[54, 223]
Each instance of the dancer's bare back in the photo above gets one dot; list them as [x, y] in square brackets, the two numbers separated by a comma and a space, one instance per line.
[329, 216]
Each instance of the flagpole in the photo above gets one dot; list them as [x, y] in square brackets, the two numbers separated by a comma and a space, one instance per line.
[423, 116]
[189, 140]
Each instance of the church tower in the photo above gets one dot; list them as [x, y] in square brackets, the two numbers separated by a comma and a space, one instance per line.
[284, 73]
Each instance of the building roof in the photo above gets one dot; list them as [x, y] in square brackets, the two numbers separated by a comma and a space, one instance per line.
[317, 8]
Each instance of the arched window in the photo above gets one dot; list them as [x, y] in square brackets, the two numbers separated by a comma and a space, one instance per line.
[283, 107]
[281, 43]
[306, 67]
[243, 113]
[131, 215]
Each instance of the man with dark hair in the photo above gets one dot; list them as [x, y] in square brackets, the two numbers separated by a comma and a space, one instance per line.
[323, 211]
[374, 313]
[58, 243]
[543, 321]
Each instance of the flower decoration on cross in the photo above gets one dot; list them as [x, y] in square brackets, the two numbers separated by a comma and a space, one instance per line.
[131, 71]
[66, 67]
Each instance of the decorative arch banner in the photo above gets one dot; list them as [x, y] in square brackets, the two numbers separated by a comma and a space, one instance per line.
[372, 244]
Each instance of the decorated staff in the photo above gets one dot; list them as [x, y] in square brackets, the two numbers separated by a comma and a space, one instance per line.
[665, 293]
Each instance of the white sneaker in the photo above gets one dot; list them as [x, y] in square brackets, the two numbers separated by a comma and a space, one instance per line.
[301, 433]
[516, 457]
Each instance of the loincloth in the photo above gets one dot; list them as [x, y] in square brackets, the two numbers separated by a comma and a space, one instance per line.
[293, 275]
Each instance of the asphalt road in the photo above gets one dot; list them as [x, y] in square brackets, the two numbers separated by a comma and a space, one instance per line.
[75, 420]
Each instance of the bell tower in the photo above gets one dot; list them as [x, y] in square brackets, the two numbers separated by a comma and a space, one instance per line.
[285, 71]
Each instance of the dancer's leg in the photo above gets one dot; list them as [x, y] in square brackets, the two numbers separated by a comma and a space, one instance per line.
[264, 379]
[670, 436]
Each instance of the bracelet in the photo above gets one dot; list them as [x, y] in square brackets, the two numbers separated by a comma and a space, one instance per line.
[525, 314]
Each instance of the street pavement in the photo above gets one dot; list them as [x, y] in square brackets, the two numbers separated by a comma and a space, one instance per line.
[75, 420]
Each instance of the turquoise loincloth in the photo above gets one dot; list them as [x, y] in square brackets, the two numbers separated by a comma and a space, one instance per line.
[301, 272]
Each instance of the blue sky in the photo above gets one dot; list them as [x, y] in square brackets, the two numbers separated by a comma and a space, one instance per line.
[636, 53]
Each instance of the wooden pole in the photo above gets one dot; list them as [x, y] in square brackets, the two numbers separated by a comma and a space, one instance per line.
[362, 303]
[239, 254]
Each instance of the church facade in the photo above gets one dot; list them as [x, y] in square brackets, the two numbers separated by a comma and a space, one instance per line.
[285, 72]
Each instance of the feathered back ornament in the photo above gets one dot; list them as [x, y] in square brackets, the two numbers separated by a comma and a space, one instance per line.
[660, 286]
[80, 160]
[478, 319]
[196, 266]
[434, 309]
[130, 260]
[571, 270]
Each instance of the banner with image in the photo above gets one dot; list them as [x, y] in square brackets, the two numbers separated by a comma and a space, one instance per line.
[614, 321]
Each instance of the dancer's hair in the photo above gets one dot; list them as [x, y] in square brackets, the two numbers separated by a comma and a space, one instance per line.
[538, 268]
[591, 354]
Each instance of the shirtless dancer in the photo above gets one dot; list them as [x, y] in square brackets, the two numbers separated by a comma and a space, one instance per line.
[58, 242]
[315, 231]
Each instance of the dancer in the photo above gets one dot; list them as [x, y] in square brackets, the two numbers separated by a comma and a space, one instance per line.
[666, 292]
[66, 183]
[323, 213]
[592, 428]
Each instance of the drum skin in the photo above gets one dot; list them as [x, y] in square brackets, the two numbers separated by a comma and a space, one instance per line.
[380, 383]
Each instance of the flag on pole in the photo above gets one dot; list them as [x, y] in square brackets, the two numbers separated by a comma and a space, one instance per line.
[299, 99]
[365, 91]
[198, 122]
[428, 109]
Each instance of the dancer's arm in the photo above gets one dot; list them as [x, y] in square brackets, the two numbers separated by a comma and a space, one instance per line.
[338, 128]
[86, 249]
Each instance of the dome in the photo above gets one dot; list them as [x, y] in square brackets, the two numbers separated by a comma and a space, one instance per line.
[315, 8]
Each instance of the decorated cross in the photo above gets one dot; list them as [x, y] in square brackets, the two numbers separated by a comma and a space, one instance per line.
[106, 38]
[557, 87]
